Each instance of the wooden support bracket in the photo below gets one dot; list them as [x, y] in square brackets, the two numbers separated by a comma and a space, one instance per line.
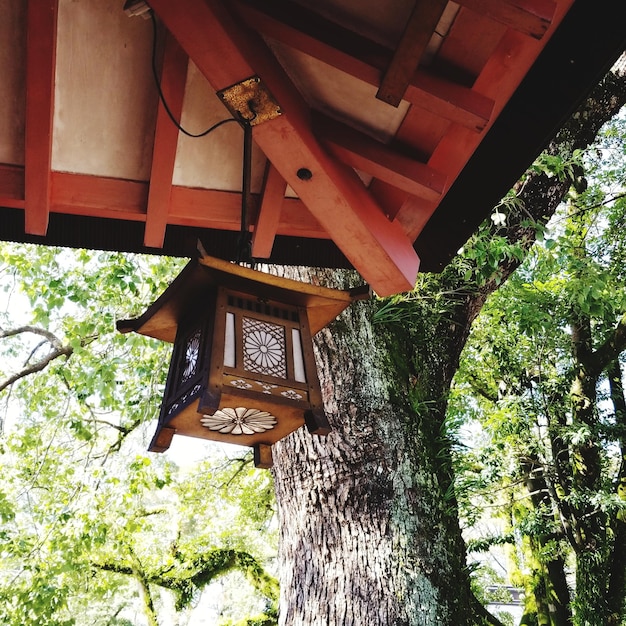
[40, 78]
[227, 53]
[173, 78]
[263, 456]
[272, 197]
[417, 33]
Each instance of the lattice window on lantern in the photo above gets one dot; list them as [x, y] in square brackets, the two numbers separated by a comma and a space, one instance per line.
[264, 348]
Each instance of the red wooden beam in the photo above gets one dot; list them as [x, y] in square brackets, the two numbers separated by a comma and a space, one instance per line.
[530, 17]
[306, 31]
[12, 186]
[227, 54]
[40, 76]
[498, 79]
[373, 157]
[173, 79]
[208, 208]
[417, 33]
[98, 196]
[268, 218]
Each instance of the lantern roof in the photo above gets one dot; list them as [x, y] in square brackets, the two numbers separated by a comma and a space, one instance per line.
[189, 289]
[384, 131]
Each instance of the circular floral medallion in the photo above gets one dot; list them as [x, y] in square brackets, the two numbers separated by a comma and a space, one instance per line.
[192, 352]
[263, 349]
[239, 421]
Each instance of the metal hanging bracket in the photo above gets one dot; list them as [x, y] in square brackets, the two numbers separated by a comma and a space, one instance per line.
[250, 101]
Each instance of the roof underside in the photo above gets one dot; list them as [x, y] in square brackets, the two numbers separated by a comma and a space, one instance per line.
[393, 125]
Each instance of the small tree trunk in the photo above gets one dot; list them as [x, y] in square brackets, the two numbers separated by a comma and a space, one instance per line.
[149, 609]
[550, 589]
[616, 595]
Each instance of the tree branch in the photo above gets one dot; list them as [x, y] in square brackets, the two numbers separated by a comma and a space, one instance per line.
[58, 350]
[37, 366]
[35, 330]
[612, 347]
[538, 194]
[198, 572]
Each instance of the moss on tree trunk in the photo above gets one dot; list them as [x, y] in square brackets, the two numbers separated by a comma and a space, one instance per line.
[369, 528]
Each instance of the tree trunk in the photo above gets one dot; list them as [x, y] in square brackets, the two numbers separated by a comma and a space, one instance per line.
[369, 529]
[617, 570]
[551, 592]
[368, 515]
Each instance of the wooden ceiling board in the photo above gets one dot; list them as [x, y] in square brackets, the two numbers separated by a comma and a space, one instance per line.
[530, 17]
[105, 100]
[382, 21]
[334, 92]
[469, 43]
[214, 161]
[12, 80]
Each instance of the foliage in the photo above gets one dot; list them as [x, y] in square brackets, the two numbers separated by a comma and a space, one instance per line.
[94, 531]
[541, 381]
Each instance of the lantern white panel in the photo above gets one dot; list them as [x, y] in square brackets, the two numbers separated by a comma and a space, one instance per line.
[229, 343]
[298, 356]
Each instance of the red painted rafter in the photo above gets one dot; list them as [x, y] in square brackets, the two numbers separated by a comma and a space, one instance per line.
[417, 33]
[364, 59]
[373, 157]
[227, 54]
[498, 79]
[40, 76]
[530, 17]
[173, 79]
[268, 218]
[12, 186]
[111, 198]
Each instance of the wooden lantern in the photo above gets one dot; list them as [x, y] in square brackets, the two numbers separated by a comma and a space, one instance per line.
[242, 368]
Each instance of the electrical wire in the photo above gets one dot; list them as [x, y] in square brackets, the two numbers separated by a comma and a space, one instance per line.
[244, 241]
[244, 244]
[157, 82]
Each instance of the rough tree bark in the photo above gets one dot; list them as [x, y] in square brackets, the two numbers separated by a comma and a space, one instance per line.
[369, 525]
[368, 518]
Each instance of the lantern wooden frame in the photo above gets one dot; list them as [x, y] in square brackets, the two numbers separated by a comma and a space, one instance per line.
[222, 319]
